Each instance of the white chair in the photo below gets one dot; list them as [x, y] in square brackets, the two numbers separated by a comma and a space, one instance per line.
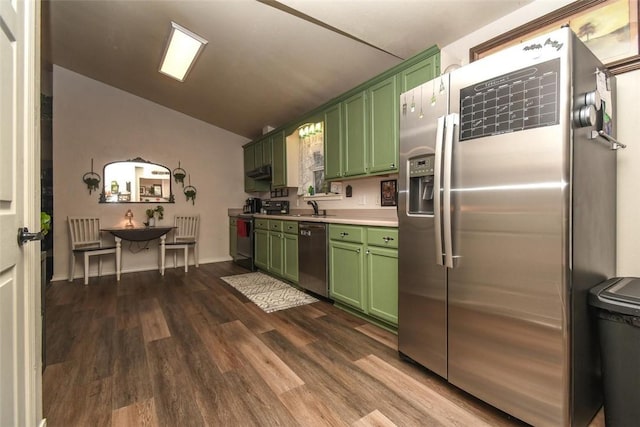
[185, 236]
[85, 238]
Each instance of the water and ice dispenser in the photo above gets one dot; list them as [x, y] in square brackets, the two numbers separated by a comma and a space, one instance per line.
[421, 184]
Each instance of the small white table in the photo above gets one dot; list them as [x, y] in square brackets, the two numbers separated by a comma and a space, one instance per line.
[139, 234]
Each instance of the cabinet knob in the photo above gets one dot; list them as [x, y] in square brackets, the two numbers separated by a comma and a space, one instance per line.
[393, 165]
[368, 252]
[387, 239]
[344, 233]
[358, 250]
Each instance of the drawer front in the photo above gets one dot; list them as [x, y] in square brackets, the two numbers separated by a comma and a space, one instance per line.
[346, 233]
[290, 227]
[262, 224]
[382, 236]
[233, 221]
[275, 225]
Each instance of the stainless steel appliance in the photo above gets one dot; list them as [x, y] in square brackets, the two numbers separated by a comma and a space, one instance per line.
[312, 257]
[244, 239]
[252, 205]
[506, 217]
[275, 207]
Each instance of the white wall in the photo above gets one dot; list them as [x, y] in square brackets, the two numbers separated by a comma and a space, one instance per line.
[93, 120]
[628, 236]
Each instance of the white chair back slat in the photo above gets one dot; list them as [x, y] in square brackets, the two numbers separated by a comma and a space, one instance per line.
[84, 232]
[186, 228]
[84, 239]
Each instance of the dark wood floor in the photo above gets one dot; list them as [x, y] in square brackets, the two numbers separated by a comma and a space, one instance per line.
[189, 350]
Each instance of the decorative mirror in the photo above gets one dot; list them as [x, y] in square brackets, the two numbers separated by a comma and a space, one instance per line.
[136, 181]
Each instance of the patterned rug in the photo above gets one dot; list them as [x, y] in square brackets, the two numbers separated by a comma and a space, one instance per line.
[268, 293]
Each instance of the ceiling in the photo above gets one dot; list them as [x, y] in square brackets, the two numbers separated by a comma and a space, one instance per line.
[267, 62]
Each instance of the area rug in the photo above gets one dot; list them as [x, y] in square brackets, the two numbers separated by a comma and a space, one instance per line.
[268, 293]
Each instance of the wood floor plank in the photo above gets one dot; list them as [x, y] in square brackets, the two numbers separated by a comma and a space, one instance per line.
[139, 414]
[218, 360]
[131, 383]
[154, 325]
[374, 419]
[270, 367]
[254, 402]
[127, 312]
[377, 333]
[172, 389]
[445, 411]
[224, 356]
[324, 377]
[308, 410]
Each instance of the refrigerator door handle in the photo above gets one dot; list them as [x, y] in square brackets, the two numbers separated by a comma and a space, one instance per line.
[437, 185]
[452, 122]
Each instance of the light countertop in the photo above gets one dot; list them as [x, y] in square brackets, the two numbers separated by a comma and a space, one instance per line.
[371, 217]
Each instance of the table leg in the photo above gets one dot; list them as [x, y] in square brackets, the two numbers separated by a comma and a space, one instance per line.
[118, 257]
[162, 239]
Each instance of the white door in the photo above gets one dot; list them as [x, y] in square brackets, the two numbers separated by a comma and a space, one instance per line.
[20, 325]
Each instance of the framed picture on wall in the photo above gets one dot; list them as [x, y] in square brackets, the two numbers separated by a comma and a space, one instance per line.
[157, 190]
[389, 192]
[609, 28]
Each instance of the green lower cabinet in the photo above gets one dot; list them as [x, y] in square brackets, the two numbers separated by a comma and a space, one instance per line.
[276, 253]
[291, 257]
[346, 273]
[382, 283]
[261, 248]
[233, 238]
[363, 270]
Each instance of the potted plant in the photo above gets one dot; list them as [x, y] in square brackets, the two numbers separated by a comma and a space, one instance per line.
[151, 215]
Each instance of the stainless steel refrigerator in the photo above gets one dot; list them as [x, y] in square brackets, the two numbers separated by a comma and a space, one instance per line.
[507, 207]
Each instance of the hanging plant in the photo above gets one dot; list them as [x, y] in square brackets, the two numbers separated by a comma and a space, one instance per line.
[179, 174]
[190, 192]
[92, 179]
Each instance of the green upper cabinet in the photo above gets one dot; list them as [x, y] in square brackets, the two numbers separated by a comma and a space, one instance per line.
[279, 160]
[333, 142]
[419, 73]
[383, 126]
[354, 125]
[251, 162]
[262, 152]
[361, 129]
[257, 153]
[266, 151]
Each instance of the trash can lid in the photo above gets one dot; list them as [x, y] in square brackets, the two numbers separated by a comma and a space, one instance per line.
[620, 294]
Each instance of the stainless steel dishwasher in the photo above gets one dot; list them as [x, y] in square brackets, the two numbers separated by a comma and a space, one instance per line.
[312, 257]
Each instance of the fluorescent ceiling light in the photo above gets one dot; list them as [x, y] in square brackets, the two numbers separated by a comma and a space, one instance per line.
[181, 52]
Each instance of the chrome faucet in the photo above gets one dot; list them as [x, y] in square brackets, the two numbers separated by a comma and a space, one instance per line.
[314, 205]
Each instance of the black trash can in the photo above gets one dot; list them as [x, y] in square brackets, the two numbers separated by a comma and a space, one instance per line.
[617, 308]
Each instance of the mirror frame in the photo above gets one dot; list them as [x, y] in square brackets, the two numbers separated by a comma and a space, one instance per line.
[103, 196]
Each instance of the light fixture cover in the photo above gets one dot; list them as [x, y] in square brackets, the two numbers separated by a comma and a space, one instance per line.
[181, 52]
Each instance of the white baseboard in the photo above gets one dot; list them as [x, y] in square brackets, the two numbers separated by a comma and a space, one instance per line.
[57, 278]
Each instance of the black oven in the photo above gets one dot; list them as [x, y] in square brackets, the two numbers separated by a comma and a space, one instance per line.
[244, 248]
